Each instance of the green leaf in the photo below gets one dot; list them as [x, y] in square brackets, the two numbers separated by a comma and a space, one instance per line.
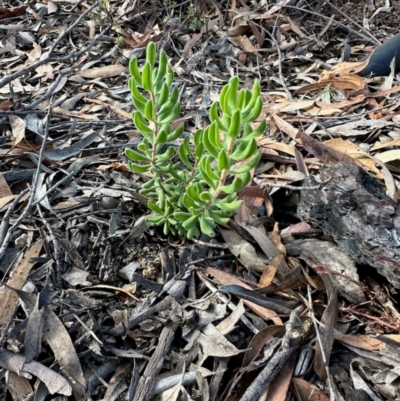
[205, 162]
[248, 166]
[223, 100]
[155, 220]
[211, 149]
[182, 216]
[163, 96]
[135, 92]
[193, 232]
[205, 227]
[177, 133]
[146, 78]
[254, 113]
[149, 111]
[206, 197]
[255, 95]
[142, 126]
[155, 208]
[235, 126]
[233, 93]
[136, 156]
[192, 191]
[190, 222]
[161, 137]
[223, 160]
[139, 106]
[214, 135]
[243, 98]
[134, 71]
[198, 137]
[167, 155]
[200, 150]
[172, 101]
[214, 115]
[229, 207]
[238, 183]
[260, 129]
[169, 78]
[183, 153]
[138, 168]
[224, 124]
[218, 216]
[162, 66]
[151, 53]
[169, 115]
[245, 150]
[207, 174]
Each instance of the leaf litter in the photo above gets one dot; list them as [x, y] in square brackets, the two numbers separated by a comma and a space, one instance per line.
[98, 305]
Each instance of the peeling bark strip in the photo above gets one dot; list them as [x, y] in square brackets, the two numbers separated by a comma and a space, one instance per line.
[362, 219]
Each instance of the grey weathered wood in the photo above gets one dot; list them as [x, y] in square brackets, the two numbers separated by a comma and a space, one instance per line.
[354, 210]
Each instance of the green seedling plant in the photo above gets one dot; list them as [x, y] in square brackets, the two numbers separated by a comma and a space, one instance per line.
[193, 186]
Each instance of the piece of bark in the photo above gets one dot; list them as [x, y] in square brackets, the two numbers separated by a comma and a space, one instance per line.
[353, 209]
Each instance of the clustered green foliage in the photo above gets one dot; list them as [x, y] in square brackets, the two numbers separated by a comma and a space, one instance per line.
[193, 186]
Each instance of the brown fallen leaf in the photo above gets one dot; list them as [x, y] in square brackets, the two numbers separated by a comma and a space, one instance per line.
[103, 72]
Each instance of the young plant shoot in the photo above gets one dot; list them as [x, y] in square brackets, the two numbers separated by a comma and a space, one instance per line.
[192, 187]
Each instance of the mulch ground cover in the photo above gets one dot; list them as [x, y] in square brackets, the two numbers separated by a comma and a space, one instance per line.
[98, 305]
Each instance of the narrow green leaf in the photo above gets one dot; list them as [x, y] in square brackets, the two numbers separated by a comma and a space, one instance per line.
[149, 111]
[223, 100]
[183, 153]
[169, 77]
[205, 227]
[177, 133]
[139, 106]
[205, 197]
[151, 53]
[218, 216]
[140, 123]
[255, 95]
[206, 163]
[235, 127]
[155, 220]
[214, 115]
[136, 156]
[229, 207]
[214, 135]
[155, 208]
[200, 150]
[135, 91]
[192, 192]
[211, 149]
[172, 101]
[138, 168]
[223, 160]
[193, 232]
[190, 222]
[233, 93]
[161, 137]
[162, 66]
[245, 150]
[207, 173]
[146, 78]
[182, 216]
[248, 166]
[243, 98]
[167, 117]
[260, 129]
[167, 155]
[254, 113]
[163, 96]
[134, 71]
